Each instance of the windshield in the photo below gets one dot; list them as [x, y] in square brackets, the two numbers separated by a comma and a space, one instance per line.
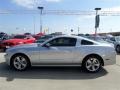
[45, 37]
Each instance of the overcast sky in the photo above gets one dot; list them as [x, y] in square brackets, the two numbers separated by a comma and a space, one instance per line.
[20, 23]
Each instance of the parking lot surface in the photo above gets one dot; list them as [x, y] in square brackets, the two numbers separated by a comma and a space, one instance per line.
[59, 78]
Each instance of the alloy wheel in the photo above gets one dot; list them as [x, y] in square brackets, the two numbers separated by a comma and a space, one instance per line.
[118, 49]
[92, 64]
[20, 63]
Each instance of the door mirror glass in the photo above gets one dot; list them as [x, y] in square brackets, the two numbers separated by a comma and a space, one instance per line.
[47, 45]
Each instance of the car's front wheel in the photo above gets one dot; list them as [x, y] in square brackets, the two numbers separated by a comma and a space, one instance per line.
[20, 62]
[92, 64]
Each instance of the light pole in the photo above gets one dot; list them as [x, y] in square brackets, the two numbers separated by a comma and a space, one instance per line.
[34, 23]
[78, 30]
[41, 12]
[97, 20]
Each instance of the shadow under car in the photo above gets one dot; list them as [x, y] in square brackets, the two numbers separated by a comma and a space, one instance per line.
[58, 73]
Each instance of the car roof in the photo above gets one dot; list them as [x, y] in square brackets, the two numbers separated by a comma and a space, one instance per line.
[78, 37]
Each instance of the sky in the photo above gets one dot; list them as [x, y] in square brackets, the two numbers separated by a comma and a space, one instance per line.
[21, 23]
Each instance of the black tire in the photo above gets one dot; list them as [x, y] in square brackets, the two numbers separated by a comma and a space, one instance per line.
[118, 48]
[97, 64]
[20, 62]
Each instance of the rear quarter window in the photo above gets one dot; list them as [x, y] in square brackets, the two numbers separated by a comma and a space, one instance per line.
[85, 42]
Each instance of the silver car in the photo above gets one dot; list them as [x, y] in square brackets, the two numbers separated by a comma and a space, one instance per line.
[116, 41]
[62, 51]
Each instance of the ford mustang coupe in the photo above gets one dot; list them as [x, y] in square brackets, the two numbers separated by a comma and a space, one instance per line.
[62, 51]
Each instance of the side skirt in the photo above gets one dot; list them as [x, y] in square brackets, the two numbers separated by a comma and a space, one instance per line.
[57, 65]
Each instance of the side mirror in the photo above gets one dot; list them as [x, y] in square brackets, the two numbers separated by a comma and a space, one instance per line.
[47, 45]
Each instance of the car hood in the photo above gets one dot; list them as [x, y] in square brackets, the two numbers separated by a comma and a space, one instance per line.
[26, 45]
[14, 40]
[23, 46]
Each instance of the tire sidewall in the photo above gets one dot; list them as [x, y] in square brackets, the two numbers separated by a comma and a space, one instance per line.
[12, 62]
[84, 64]
[118, 46]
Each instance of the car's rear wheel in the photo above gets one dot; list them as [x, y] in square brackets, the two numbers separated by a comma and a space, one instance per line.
[92, 64]
[118, 48]
[20, 62]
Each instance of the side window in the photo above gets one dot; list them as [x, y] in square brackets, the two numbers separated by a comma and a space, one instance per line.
[85, 42]
[63, 41]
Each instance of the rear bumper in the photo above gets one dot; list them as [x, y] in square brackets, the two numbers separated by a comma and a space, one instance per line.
[110, 58]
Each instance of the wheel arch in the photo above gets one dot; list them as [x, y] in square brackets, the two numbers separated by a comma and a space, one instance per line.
[117, 45]
[96, 55]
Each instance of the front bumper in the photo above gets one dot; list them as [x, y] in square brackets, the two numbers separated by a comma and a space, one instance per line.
[7, 59]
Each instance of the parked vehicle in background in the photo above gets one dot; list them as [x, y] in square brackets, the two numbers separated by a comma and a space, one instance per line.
[116, 41]
[3, 36]
[37, 36]
[27, 33]
[82, 35]
[62, 51]
[43, 38]
[98, 39]
[16, 40]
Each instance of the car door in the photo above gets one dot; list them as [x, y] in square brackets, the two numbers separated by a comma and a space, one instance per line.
[60, 51]
[34, 54]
